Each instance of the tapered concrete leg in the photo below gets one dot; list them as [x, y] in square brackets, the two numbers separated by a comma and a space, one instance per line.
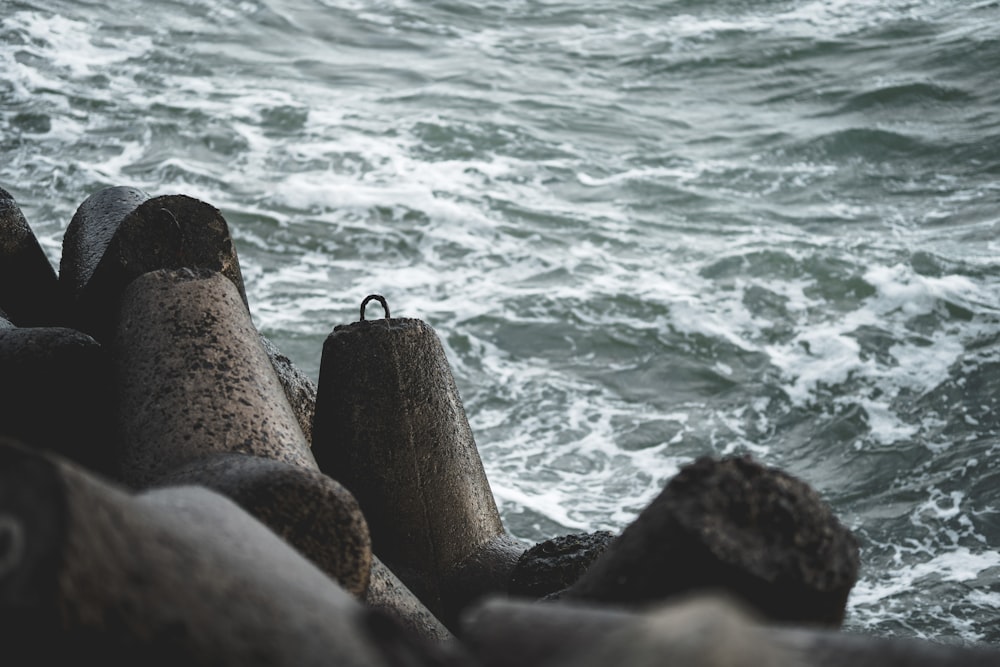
[193, 379]
[390, 426]
[29, 289]
[311, 511]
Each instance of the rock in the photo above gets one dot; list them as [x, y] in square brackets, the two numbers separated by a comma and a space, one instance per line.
[551, 566]
[310, 511]
[299, 389]
[29, 289]
[193, 379]
[390, 426]
[736, 526]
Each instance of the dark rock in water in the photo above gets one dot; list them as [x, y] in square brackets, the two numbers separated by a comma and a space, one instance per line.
[90, 232]
[553, 565]
[29, 289]
[173, 576]
[312, 512]
[391, 427]
[736, 526]
[55, 393]
[193, 378]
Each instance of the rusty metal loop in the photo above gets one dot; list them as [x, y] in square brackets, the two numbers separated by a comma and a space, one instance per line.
[376, 297]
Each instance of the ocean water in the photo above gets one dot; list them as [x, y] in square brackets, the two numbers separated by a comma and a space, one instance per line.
[645, 230]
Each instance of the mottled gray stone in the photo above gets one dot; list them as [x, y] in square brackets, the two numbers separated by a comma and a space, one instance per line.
[89, 233]
[165, 232]
[193, 378]
[391, 427]
[551, 566]
[29, 289]
[172, 576]
[5, 322]
[737, 526]
[308, 509]
[55, 393]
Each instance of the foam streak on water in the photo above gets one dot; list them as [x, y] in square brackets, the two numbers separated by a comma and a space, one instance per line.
[644, 231]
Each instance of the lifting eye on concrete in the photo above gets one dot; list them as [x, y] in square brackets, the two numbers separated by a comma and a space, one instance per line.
[376, 297]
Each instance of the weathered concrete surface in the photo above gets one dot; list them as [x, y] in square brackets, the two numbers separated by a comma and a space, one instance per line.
[120, 233]
[308, 509]
[391, 427]
[552, 566]
[736, 526]
[193, 378]
[391, 596]
[299, 388]
[29, 289]
[701, 630]
[89, 233]
[5, 322]
[487, 570]
[55, 393]
[166, 577]
[165, 232]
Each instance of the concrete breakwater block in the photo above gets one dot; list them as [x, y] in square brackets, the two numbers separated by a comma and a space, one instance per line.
[170, 576]
[165, 232]
[54, 387]
[308, 509]
[120, 233]
[698, 630]
[391, 596]
[733, 525]
[391, 427]
[88, 235]
[29, 289]
[193, 378]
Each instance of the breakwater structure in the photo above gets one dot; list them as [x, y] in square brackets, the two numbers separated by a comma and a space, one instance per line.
[174, 491]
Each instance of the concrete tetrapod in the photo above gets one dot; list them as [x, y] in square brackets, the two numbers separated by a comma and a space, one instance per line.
[698, 630]
[737, 526]
[118, 234]
[87, 237]
[55, 385]
[29, 289]
[193, 378]
[311, 511]
[180, 575]
[391, 427]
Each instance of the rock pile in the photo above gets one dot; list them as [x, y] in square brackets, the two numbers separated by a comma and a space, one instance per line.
[174, 491]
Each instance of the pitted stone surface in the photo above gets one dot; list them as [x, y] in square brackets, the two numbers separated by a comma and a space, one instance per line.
[391, 427]
[553, 565]
[89, 233]
[29, 289]
[299, 389]
[193, 378]
[733, 525]
[311, 511]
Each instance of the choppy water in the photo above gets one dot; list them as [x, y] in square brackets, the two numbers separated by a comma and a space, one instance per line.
[644, 230]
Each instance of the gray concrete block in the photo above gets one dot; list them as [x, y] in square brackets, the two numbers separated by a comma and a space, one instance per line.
[193, 378]
[29, 289]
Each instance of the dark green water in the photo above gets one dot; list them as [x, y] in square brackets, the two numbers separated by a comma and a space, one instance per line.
[645, 231]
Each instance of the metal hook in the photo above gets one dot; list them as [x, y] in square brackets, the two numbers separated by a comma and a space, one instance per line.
[376, 297]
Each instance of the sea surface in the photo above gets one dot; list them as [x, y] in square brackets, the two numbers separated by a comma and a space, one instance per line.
[644, 230]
